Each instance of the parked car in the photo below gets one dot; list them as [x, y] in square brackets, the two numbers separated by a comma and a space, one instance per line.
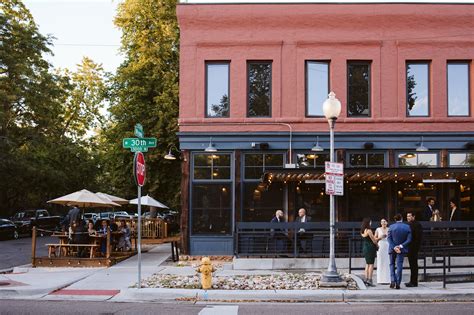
[90, 216]
[25, 220]
[8, 229]
[122, 214]
[106, 215]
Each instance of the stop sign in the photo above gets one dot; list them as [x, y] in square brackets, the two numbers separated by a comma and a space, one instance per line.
[139, 168]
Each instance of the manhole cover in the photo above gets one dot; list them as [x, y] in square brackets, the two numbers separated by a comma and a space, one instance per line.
[4, 283]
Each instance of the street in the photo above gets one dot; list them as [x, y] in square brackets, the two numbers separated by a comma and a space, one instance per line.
[18, 252]
[84, 307]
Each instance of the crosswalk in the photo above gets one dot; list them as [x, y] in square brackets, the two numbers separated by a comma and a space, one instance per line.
[220, 310]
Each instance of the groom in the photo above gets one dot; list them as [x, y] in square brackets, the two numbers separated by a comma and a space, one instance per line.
[399, 236]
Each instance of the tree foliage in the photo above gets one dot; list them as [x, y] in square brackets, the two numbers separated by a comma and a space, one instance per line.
[145, 90]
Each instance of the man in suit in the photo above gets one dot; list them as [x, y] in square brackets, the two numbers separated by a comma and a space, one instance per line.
[417, 236]
[277, 234]
[302, 235]
[399, 236]
[429, 210]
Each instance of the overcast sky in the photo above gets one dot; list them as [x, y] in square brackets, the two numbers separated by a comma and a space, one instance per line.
[82, 28]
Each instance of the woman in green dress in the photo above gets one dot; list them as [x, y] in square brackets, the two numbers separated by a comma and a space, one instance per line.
[369, 249]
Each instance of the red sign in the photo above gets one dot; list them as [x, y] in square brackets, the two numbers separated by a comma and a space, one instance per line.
[139, 168]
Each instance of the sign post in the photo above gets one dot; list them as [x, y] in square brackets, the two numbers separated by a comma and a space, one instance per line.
[139, 145]
[139, 171]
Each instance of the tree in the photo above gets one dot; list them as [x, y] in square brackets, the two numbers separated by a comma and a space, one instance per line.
[145, 90]
[221, 109]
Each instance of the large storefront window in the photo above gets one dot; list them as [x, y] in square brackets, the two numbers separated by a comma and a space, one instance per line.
[366, 199]
[366, 160]
[408, 159]
[212, 195]
[314, 200]
[261, 203]
[255, 164]
[461, 159]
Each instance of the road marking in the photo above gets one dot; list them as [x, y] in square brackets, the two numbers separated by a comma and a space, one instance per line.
[220, 310]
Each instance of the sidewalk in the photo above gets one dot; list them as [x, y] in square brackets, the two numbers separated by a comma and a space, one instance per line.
[114, 284]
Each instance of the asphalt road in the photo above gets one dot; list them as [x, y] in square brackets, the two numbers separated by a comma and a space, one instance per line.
[18, 252]
[83, 307]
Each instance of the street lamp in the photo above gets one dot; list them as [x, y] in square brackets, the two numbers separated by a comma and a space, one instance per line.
[170, 155]
[331, 109]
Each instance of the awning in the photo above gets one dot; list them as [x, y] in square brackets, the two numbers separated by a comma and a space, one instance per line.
[434, 175]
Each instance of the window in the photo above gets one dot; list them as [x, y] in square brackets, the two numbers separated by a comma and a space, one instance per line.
[211, 167]
[317, 87]
[255, 164]
[408, 159]
[366, 160]
[461, 159]
[259, 82]
[418, 97]
[358, 88]
[458, 89]
[259, 205]
[211, 209]
[312, 160]
[217, 89]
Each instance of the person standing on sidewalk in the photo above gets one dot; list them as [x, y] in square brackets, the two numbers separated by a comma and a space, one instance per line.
[399, 236]
[417, 236]
[369, 248]
[383, 259]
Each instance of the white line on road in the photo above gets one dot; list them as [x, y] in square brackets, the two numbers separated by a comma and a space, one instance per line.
[220, 310]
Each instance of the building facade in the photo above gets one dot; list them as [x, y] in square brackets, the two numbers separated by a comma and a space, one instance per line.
[252, 134]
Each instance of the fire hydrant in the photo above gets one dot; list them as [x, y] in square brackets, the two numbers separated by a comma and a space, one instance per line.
[206, 269]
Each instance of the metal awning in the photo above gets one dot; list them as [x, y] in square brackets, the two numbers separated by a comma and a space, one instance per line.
[372, 174]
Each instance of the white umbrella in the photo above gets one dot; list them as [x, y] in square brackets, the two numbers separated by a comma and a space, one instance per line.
[148, 201]
[112, 198]
[83, 198]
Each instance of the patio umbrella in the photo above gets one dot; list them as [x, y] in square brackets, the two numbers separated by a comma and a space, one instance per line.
[148, 201]
[112, 198]
[84, 198]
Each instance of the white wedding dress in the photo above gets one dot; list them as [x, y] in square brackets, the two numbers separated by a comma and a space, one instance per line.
[383, 260]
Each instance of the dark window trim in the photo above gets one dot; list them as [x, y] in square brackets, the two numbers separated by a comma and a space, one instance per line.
[359, 62]
[215, 62]
[270, 62]
[468, 62]
[385, 158]
[328, 62]
[428, 63]
[458, 152]
[242, 164]
[211, 180]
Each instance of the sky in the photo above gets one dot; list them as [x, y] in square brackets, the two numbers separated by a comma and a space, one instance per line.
[81, 28]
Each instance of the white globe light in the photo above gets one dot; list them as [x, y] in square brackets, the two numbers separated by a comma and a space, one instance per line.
[332, 107]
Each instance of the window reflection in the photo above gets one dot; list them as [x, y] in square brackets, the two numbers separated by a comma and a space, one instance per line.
[259, 78]
[461, 159]
[317, 87]
[358, 103]
[417, 89]
[217, 93]
[255, 164]
[408, 159]
[211, 209]
[366, 160]
[458, 89]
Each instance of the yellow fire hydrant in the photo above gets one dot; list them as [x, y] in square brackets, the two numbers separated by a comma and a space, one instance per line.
[206, 269]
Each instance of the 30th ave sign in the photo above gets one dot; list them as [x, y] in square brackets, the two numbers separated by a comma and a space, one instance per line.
[139, 144]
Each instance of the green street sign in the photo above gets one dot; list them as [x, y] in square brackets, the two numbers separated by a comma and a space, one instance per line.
[139, 144]
[139, 131]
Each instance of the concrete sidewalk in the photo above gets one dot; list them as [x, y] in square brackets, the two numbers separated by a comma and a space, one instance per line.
[114, 284]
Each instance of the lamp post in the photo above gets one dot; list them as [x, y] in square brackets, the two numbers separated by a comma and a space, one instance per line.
[331, 109]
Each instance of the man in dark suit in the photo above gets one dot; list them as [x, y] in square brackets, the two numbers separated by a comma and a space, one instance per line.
[302, 235]
[417, 236]
[428, 213]
[278, 234]
[399, 236]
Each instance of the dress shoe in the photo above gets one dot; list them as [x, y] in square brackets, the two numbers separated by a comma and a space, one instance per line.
[392, 285]
[397, 287]
[411, 285]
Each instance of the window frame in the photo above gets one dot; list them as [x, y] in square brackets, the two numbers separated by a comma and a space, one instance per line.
[458, 152]
[251, 62]
[367, 166]
[398, 152]
[244, 179]
[206, 77]
[418, 62]
[369, 92]
[468, 63]
[328, 63]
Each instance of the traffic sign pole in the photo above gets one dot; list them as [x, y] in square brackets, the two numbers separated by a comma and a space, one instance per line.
[139, 229]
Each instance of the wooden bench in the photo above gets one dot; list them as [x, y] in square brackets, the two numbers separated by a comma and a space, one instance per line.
[52, 248]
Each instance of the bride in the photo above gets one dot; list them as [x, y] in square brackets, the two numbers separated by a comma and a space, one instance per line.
[383, 259]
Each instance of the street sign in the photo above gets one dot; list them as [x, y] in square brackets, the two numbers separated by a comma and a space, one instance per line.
[139, 131]
[334, 168]
[139, 144]
[334, 178]
[139, 169]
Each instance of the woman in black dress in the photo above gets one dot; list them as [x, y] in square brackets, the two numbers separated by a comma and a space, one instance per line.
[369, 249]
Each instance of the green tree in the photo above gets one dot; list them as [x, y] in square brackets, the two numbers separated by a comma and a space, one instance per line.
[144, 90]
